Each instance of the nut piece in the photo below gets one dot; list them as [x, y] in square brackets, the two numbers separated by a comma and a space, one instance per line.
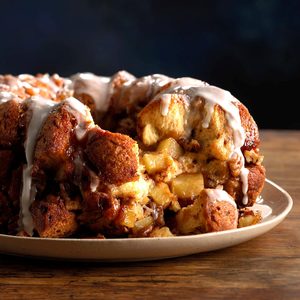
[187, 185]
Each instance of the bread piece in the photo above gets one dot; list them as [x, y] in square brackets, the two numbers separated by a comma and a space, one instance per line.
[114, 155]
[52, 219]
[160, 149]
[153, 126]
[212, 210]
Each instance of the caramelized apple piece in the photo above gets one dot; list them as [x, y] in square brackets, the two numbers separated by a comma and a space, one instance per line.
[142, 225]
[187, 185]
[156, 162]
[170, 147]
[161, 232]
[161, 194]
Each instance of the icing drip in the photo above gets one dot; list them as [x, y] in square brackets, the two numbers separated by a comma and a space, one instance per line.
[156, 82]
[220, 195]
[214, 96]
[165, 101]
[94, 181]
[188, 82]
[98, 87]
[40, 110]
[144, 88]
[244, 177]
[82, 115]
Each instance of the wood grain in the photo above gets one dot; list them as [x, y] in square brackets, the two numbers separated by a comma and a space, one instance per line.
[267, 267]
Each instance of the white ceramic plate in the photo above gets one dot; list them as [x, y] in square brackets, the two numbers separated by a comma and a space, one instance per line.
[134, 249]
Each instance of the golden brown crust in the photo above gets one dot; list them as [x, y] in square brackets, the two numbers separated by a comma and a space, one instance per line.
[88, 101]
[252, 135]
[206, 215]
[219, 216]
[52, 219]
[53, 146]
[99, 211]
[216, 140]
[114, 155]
[216, 172]
[10, 116]
[256, 180]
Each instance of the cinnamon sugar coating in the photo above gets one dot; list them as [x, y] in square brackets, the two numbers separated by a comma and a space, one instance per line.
[123, 156]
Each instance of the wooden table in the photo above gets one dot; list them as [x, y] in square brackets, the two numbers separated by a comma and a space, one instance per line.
[267, 267]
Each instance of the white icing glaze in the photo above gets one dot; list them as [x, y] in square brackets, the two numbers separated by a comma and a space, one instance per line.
[24, 77]
[82, 114]
[68, 85]
[220, 195]
[165, 100]
[259, 199]
[144, 88]
[98, 87]
[40, 110]
[188, 82]
[157, 81]
[6, 96]
[214, 95]
[244, 178]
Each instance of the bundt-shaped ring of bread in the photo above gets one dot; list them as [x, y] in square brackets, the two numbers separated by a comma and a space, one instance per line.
[124, 156]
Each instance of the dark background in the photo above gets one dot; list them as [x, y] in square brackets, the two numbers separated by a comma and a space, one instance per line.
[251, 48]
